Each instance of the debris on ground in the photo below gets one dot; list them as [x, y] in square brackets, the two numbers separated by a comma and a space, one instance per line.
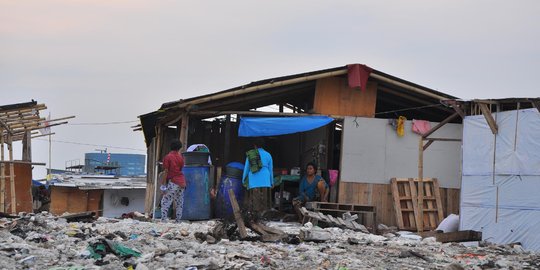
[44, 241]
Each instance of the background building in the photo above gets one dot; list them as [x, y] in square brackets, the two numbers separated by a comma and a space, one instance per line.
[117, 164]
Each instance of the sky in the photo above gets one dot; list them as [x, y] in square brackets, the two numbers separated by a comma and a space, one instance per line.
[111, 61]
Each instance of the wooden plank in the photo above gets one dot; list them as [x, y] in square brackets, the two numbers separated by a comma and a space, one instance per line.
[489, 118]
[417, 218]
[258, 229]
[460, 236]
[430, 205]
[333, 96]
[397, 203]
[237, 215]
[438, 201]
[270, 229]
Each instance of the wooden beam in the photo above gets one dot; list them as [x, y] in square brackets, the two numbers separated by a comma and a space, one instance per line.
[536, 104]
[427, 145]
[459, 111]
[227, 143]
[22, 162]
[443, 139]
[444, 122]
[489, 118]
[27, 146]
[237, 215]
[15, 111]
[459, 236]
[184, 128]
[259, 113]
[5, 127]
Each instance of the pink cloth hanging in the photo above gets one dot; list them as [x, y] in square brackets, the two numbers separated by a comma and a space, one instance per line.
[420, 126]
[333, 175]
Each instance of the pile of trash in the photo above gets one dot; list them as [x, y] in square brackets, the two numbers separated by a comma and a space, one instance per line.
[44, 241]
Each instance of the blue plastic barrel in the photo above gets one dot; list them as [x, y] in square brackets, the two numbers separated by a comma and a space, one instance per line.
[197, 195]
[223, 208]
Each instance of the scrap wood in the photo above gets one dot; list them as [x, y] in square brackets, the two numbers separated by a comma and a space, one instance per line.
[267, 234]
[411, 253]
[271, 230]
[329, 219]
[237, 215]
[459, 236]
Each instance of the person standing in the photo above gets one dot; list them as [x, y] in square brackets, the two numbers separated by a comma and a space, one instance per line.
[258, 177]
[173, 163]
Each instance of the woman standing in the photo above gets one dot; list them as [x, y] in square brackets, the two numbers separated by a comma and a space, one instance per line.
[173, 163]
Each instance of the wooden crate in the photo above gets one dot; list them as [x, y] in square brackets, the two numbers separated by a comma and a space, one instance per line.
[405, 194]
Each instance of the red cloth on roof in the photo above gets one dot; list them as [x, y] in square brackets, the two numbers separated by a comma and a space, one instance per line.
[358, 75]
[174, 163]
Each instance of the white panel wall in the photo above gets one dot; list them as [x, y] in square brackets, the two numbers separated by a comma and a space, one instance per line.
[501, 178]
[111, 201]
[372, 152]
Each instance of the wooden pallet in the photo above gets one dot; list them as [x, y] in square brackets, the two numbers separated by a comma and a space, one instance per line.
[405, 194]
[367, 214]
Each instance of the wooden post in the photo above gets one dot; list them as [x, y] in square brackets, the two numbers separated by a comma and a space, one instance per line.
[27, 146]
[151, 163]
[2, 174]
[227, 145]
[420, 218]
[12, 177]
[184, 128]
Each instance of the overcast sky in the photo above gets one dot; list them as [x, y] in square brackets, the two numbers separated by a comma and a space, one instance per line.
[110, 61]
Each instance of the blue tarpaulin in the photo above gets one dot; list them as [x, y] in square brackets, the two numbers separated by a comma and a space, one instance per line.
[272, 126]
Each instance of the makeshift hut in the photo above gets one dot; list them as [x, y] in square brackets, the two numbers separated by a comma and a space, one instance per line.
[360, 141]
[20, 123]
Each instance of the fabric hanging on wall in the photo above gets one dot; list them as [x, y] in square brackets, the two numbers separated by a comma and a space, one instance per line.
[358, 75]
[420, 126]
[272, 126]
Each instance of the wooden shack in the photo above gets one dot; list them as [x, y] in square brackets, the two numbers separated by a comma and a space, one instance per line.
[360, 143]
[19, 123]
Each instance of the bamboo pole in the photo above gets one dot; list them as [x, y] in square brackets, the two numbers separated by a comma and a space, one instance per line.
[260, 113]
[304, 79]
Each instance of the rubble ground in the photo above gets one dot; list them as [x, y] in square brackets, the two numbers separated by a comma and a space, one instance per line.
[43, 241]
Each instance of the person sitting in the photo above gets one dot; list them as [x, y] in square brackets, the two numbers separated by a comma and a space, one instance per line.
[312, 188]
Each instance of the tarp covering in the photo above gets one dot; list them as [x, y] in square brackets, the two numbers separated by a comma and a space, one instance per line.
[501, 178]
[272, 126]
